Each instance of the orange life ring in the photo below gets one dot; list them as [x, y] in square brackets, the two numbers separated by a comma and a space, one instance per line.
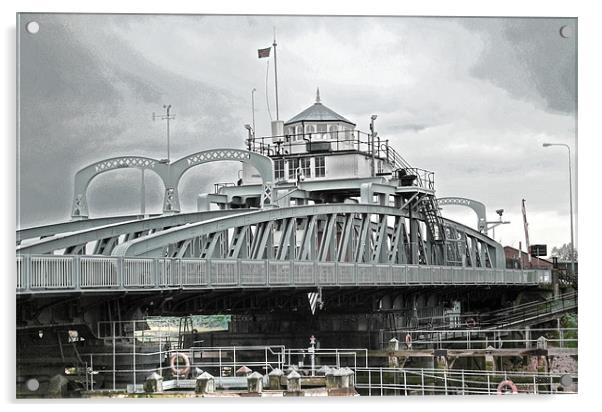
[181, 370]
[506, 384]
[471, 323]
[408, 340]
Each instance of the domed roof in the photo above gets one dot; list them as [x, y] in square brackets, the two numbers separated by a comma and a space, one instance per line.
[318, 113]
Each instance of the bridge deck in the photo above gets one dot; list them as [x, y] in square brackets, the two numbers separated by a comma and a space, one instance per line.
[59, 274]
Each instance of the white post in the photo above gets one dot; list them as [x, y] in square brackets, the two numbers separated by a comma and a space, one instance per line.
[142, 194]
[114, 355]
[312, 351]
[134, 352]
[276, 76]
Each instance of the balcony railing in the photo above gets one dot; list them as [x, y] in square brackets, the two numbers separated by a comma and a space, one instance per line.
[328, 142]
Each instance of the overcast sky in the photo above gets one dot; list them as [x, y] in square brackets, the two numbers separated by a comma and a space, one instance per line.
[471, 99]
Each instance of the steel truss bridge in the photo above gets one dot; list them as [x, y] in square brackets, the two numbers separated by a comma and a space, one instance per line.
[331, 245]
[393, 238]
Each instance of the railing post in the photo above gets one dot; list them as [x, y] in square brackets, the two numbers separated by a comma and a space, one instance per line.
[210, 277]
[155, 272]
[445, 380]
[76, 273]
[26, 274]
[120, 283]
[337, 280]
[267, 272]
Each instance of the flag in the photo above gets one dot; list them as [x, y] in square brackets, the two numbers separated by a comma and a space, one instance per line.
[261, 53]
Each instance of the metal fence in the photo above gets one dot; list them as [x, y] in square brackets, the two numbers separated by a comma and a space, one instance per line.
[515, 338]
[411, 381]
[81, 273]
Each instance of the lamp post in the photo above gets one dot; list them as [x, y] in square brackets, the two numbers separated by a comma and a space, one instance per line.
[570, 200]
[253, 108]
[372, 138]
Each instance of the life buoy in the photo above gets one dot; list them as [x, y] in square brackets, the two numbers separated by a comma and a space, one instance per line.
[182, 370]
[471, 323]
[506, 384]
[409, 341]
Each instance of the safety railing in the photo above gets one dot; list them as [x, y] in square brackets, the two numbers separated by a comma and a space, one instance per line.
[129, 363]
[329, 141]
[309, 361]
[47, 273]
[413, 381]
[477, 338]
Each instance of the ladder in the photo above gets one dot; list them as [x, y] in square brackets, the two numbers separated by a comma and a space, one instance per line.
[432, 218]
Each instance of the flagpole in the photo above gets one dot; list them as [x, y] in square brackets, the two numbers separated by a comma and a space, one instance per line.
[276, 75]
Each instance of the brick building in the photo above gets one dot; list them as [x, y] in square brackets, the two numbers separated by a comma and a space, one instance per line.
[513, 261]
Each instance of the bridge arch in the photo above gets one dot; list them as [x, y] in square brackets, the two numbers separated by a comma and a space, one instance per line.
[79, 207]
[263, 164]
[478, 207]
[170, 175]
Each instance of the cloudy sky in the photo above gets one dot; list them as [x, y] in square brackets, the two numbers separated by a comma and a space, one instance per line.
[471, 99]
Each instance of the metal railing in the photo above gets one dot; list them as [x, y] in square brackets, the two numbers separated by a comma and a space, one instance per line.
[333, 141]
[413, 381]
[80, 273]
[515, 338]
[499, 318]
[338, 357]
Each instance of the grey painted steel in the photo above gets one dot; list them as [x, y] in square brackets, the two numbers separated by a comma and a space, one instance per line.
[84, 176]
[155, 241]
[500, 257]
[43, 274]
[170, 174]
[478, 207]
[263, 164]
[72, 226]
[116, 229]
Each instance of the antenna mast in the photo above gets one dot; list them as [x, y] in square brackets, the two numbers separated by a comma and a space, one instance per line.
[276, 75]
[167, 116]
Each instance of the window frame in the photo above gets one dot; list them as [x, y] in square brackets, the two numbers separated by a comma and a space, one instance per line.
[320, 166]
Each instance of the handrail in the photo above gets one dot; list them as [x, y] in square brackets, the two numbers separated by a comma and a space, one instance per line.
[55, 273]
[351, 140]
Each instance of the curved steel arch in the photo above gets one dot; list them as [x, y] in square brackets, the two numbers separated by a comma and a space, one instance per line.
[115, 229]
[263, 164]
[155, 241]
[478, 207]
[52, 229]
[170, 175]
[84, 176]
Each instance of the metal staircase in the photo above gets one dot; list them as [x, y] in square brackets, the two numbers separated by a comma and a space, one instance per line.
[432, 218]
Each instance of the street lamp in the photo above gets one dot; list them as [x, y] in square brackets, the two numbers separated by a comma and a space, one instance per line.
[570, 201]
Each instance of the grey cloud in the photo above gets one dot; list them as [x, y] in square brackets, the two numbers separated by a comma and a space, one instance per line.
[471, 99]
[526, 52]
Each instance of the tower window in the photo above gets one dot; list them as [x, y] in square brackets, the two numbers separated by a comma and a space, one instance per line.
[293, 165]
[306, 166]
[333, 132]
[320, 166]
[279, 168]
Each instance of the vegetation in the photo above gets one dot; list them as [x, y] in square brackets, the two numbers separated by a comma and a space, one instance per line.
[563, 253]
